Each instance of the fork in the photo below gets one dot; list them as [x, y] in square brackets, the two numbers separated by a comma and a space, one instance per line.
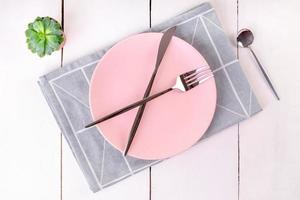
[184, 82]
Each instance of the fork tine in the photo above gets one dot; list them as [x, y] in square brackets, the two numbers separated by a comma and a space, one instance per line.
[200, 79]
[196, 75]
[191, 73]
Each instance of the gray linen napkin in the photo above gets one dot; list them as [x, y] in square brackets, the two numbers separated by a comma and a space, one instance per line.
[66, 91]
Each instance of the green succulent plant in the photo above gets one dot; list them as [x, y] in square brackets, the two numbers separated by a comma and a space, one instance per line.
[44, 36]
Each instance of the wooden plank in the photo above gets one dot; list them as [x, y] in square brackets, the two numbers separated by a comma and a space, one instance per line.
[270, 141]
[29, 135]
[89, 27]
[97, 24]
[226, 11]
[210, 169]
[206, 171]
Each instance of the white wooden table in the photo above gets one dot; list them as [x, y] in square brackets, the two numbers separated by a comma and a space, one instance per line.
[257, 159]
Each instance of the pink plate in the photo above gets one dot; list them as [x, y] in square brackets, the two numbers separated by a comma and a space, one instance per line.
[171, 123]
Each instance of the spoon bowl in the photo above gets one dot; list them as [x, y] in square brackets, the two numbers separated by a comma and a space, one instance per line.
[245, 38]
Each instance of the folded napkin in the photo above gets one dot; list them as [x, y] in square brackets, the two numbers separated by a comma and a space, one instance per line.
[67, 91]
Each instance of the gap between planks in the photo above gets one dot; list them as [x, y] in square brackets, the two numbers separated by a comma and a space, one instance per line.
[61, 134]
[238, 133]
[150, 169]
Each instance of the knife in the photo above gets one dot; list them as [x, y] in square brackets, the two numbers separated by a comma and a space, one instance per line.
[163, 45]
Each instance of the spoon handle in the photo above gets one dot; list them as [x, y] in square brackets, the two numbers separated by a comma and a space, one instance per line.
[265, 74]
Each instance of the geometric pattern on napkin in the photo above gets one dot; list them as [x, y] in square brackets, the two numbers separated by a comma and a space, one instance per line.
[66, 91]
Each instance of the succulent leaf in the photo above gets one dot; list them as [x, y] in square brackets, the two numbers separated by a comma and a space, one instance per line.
[44, 36]
[38, 26]
[30, 33]
[53, 41]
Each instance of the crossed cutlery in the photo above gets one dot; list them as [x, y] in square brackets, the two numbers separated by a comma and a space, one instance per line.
[184, 82]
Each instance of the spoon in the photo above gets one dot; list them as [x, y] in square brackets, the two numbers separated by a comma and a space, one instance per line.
[245, 39]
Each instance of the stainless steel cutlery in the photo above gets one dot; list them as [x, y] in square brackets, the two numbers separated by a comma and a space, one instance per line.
[184, 82]
[245, 39]
[163, 45]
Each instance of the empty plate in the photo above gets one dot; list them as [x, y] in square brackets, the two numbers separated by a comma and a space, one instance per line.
[171, 123]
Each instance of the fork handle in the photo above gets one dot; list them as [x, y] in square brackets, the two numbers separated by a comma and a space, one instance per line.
[129, 107]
